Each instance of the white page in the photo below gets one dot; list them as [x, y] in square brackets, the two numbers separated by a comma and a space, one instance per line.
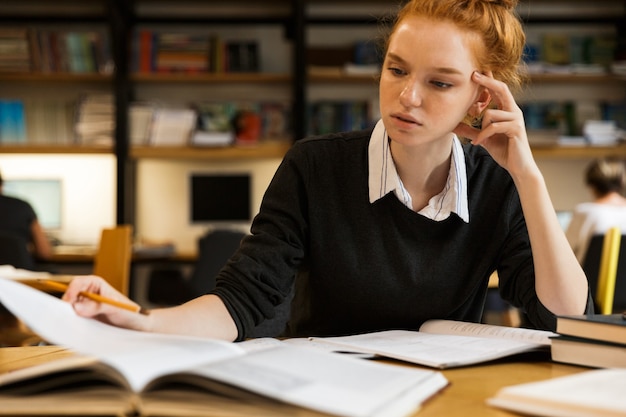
[11, 272]
[140, 356]
[590, 393]
[305, 342]
[487, 330]
[435, 350]
[330, 383]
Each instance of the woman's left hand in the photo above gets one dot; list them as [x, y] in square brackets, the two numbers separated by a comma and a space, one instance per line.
[503, 131]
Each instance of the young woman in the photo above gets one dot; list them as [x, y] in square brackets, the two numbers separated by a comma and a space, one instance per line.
[390, 227]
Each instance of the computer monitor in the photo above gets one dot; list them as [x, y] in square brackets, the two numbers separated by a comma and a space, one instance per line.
[44, 195]
[219, 198]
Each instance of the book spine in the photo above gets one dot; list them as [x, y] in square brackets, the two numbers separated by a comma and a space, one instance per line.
[146, 45]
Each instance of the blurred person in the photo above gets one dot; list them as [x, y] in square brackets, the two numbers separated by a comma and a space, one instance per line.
[18, 218]
[606, 181]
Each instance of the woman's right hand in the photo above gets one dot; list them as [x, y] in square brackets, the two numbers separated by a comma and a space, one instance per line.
[106, 313]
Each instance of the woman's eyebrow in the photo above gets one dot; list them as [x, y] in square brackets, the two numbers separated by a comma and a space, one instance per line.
[396, 57]
[442, 70]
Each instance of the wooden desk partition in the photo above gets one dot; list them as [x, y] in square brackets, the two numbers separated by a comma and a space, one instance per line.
[85, 255]
[465, 396]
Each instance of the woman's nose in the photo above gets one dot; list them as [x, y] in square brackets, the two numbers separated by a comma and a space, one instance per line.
[411, 95]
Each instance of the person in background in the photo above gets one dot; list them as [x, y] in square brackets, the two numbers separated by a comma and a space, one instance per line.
[388, 227]
[18, 218]
[606, 180]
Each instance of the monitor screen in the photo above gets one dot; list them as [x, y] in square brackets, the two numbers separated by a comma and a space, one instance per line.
[220, 197]
[44, 195]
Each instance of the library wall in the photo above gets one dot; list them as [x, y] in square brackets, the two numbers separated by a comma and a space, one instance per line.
[163, 197]
[565, 180]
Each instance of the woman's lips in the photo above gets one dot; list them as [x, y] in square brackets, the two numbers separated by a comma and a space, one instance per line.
[406, 120]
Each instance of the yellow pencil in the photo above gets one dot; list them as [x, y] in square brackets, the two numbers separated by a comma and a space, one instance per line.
[59, 286]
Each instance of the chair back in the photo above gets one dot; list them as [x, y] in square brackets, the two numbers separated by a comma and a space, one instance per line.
[605, 273]
[113, 258]
[608, 270]
[214, 250]
[14, 251]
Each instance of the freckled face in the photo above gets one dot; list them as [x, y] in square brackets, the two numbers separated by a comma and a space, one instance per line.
[425, 85]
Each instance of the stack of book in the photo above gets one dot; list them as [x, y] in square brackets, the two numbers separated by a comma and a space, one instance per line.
[49, 120]
[140, 116]
[329, 116]
[59, 50]
[14, 51]
[209, 123]
[177, 52]
[593, 340]
[95, 119]
[562, 53]
[172, 126]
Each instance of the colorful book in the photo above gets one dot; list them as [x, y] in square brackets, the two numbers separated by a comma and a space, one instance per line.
[12, 121]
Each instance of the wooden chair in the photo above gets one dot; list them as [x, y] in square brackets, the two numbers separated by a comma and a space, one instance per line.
[607, 275]
[112, 261]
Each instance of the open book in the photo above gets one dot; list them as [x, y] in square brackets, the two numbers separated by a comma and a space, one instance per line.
[444, 343]
[589, 393]
[126, 372]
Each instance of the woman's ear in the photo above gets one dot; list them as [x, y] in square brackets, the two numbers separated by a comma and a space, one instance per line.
[481, 103]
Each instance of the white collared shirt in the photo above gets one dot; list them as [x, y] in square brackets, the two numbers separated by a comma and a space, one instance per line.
[384, 178]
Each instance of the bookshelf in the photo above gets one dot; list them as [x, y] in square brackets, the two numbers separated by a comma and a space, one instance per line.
[286, 30]
[328, 21]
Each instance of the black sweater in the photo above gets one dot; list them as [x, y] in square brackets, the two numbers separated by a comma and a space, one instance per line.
[365, 267]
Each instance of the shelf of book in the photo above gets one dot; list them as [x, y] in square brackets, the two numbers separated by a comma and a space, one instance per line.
[277, 149]
[54, 149]
[336, 75]
[253, 77]
[564, 152]
[576, 78]
[343, 78]
[267, 149]
[62, 77]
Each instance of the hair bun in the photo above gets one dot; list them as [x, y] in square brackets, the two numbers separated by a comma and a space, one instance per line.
[509, 4]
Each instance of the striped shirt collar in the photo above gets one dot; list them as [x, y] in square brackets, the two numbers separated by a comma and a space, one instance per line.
[383, 179]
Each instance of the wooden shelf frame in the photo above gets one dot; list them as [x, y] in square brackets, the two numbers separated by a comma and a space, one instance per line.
[54, 149]
[217, 78]
[264, 150]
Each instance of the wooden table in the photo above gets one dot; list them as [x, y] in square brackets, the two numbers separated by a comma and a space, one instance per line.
[471, 386]
[465, 396]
